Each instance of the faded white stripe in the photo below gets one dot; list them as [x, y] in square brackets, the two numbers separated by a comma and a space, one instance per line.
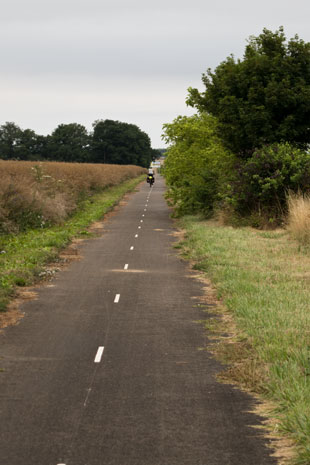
[99, 354]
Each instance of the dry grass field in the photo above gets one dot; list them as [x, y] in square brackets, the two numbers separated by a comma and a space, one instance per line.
[36, 194]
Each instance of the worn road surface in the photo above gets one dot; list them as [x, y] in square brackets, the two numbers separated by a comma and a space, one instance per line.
[106, 367]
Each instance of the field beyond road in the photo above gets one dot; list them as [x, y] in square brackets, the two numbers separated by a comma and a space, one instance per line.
[262, 279]
[40, 194]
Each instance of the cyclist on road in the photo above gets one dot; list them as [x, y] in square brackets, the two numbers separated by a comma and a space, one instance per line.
[150, 177]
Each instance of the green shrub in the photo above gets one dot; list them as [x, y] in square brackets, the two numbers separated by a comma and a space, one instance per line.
[263, 181]
[197, 166]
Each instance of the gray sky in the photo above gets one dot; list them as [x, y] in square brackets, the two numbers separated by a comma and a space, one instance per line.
[65, 61]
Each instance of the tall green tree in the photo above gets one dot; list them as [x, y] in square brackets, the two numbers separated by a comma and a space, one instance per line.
[262, 99]
[10, 140]
[19, 144]
[31, 146]
[69, 143]
[120, 143]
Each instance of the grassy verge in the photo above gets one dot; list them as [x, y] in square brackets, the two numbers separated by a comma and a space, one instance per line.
[23, 256]
[263, 279]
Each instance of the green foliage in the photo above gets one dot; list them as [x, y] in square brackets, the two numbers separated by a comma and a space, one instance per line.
[262, 99]
[197, 167]
[70, 143]
[120, 143]
[19, 144]
[111, 142]
[10, 135]
[263, 180]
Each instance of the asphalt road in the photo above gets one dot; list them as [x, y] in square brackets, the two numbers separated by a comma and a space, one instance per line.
[106, 367]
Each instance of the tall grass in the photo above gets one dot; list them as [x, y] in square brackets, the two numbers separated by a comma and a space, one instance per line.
[298, 221]
[41, 194]
[263, 278]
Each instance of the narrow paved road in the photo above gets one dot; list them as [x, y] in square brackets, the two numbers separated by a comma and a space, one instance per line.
[105, 368]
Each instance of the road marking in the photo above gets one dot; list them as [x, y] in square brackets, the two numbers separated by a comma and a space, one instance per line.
[116, 300]
[132, 247]
[141, 221]
[136, 235]
[145, 209]
[88, 394]
[99, 354]
[126, 266]
[139, 227]
[143, 215]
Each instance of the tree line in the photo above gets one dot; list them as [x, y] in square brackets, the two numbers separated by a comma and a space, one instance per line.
[248, 144]
[110, 141]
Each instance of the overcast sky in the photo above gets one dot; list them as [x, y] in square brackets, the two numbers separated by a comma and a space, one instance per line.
[65, 61]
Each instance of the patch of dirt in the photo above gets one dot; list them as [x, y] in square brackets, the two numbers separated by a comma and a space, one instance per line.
[284, 448]
[13, 314]
[96, 227]
[179, 234]
[71, 252]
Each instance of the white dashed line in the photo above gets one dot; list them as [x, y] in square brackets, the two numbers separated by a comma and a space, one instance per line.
[141, 221]
[143, 215]
[132, 247]
[136, 235]
[99, 354]
[145, 209]
[126, 266]
[139, 227]
[117, 297]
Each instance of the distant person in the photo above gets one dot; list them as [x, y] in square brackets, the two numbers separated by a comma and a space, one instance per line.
[151, 171]
[150, 178]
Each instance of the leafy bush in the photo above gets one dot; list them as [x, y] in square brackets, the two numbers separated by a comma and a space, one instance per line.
[197, 166]
[263, 181]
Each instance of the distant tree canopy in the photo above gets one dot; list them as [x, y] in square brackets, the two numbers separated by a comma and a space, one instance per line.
[70, 143]
[262, 99]
[111, 141]
[121, 143]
